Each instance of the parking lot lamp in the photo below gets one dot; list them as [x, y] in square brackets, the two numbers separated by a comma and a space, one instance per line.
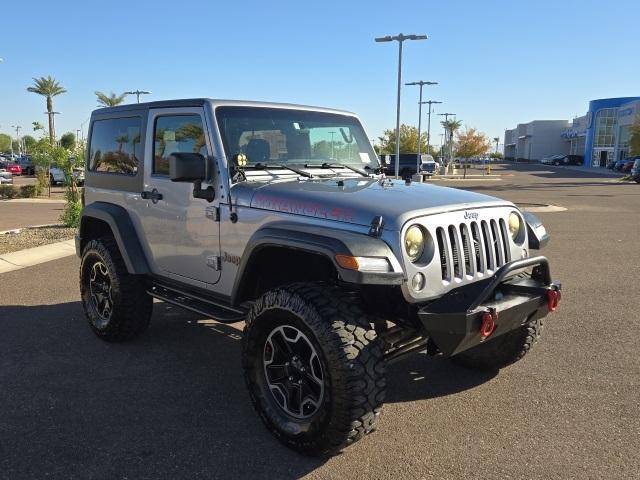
[430, 102]
[400, 38]
[137, 93]
[420, 102]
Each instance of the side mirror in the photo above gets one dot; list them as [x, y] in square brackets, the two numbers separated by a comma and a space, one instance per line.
[187, 167]
[538, 236]
[191, 167]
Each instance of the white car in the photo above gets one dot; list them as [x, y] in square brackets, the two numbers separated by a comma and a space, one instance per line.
[57, 176]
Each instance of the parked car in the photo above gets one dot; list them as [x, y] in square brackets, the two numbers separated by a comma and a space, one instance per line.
[335, 272]
[14, 168]
[57, 176]
[408, 162]
[27, 165]
[5, 176]
[617, 167]
[635, 170]
[552, 160]
[627, 165]
[573, 160]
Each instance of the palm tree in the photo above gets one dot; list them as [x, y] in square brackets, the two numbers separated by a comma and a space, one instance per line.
[109, 100]
[48, 87]
[451, 126]
[497, 140]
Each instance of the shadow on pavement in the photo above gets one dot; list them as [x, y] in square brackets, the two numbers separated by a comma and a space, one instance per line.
[171, 404]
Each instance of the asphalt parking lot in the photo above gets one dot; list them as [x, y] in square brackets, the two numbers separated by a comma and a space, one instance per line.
[172, 404]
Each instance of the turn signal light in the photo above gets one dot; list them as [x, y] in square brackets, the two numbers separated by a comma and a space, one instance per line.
[553, 298]
[348, 262]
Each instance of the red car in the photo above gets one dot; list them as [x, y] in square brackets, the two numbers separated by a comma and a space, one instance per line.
[14, 168]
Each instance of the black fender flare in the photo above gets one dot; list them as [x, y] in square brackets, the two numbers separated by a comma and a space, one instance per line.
[324, 241]
[119, 221]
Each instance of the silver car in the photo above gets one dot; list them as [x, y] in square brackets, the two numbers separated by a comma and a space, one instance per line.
[279, 215]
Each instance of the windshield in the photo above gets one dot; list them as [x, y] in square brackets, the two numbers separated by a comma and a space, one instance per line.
[281, 136]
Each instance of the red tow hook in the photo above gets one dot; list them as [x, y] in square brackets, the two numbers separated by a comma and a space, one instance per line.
[488, 324]
[553, 298]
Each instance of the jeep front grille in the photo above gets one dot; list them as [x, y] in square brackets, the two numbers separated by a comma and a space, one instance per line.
[472, 249]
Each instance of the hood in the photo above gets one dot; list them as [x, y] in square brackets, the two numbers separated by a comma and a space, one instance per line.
[358, 200]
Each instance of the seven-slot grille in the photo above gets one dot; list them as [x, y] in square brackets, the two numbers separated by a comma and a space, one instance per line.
[472, 249]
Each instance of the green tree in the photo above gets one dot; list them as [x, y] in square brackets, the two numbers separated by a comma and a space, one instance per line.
[68, 141]
[110, 100]
[471, 143]
[634, 137]
[408, 141]
[48, 87]
[5, 142]
[29, 142]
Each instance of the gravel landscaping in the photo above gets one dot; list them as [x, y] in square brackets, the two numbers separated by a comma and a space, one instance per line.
[34, 237]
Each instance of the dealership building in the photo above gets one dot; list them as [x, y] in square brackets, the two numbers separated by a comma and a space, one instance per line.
[600, 136]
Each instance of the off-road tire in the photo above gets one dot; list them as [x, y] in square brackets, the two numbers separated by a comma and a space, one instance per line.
[351, 355]
[502, 351]
[131, 305]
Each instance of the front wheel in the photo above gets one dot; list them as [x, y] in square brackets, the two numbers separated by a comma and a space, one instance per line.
[314, 367]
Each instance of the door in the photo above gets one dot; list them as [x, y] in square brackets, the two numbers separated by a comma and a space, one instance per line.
[603, 158]
[181, 232]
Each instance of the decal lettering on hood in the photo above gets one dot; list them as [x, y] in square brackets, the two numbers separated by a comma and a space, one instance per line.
[470, 215]
[301, 207]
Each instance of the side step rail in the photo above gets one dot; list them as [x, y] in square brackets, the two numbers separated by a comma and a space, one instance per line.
[215, 311]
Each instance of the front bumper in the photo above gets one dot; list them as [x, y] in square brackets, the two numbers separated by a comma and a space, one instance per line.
[456, 321]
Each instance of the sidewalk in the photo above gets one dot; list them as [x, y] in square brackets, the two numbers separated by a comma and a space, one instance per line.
[34, 256]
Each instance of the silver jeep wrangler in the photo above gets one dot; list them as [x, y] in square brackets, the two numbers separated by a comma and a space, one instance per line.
[279, 215]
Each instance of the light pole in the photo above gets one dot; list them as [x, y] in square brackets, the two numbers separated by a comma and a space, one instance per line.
[17, 127]
[137, 93]
[430, 102]
[400, 39]
[420, 102]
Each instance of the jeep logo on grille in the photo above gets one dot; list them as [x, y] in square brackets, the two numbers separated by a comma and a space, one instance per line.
[470, 215]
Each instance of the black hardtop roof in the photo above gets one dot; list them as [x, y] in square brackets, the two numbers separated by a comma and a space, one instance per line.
[183, 102]
[199, 102]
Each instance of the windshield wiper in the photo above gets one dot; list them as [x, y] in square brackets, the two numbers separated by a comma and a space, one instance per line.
[265, 166]
[337, 165]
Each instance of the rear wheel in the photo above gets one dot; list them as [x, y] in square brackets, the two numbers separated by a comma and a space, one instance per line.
[314, 367]
[115, 302]
[503, 350]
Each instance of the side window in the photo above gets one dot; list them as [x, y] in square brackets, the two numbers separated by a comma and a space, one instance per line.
[176, 134]
[115, 145]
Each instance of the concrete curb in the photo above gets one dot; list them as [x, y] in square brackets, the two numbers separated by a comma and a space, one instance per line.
[19, 229]
[35, 200]
[36, 255]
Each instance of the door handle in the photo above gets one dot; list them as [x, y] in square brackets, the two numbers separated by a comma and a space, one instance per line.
[152, 195]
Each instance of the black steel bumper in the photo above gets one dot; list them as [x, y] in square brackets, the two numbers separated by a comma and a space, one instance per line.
[455, 322]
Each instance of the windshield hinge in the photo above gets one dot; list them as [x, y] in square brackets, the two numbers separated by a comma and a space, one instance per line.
[376, 226]
[212, 213]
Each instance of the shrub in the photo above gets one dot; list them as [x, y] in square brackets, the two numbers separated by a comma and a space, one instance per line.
[28, 191]
[8, 191]
[43, 181]
[71, 214]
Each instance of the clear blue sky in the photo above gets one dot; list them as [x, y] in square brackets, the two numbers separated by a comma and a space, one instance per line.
[498, 62]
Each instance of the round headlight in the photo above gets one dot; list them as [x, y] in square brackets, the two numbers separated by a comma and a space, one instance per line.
[414, 242]
[515, 225]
